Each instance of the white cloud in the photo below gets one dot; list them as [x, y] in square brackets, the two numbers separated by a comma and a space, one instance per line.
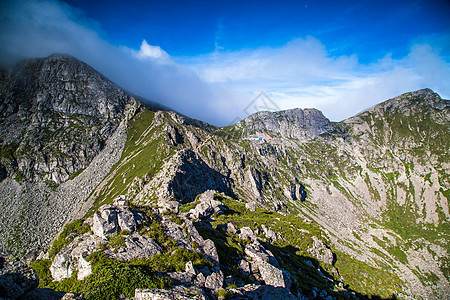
[151, 52]
[304, 74]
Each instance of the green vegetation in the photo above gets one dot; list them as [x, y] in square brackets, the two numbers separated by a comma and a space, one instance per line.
[366, 279]
[109, 279]
[116, 241]
[71, 230]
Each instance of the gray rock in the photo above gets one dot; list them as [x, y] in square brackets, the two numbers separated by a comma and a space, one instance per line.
[181, 278]
[259, 292]
[61, 267]
[320, 251]
[247, 233]
[269, 233]
[105, 221]
[189, 268]
[136, 246]
[125, 220]
[210, 251]
[110, 219]
[176, 293]
[214, 281]
[257, 252]
[207, 206]
[274, 276]
[244, 267]
[200, 280]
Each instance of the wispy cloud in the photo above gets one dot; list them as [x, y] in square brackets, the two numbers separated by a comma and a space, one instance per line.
[218, 86]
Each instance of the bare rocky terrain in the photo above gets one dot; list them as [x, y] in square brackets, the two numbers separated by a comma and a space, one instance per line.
[345, 210]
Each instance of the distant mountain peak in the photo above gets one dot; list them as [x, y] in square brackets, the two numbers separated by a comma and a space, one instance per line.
[302, 124]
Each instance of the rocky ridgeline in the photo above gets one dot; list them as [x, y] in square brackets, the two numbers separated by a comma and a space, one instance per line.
[264, 277]
[301, 124]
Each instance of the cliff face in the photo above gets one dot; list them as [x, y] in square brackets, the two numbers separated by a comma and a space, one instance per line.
[294, 123]
[62, 126]
[56, 114]
[369, 193]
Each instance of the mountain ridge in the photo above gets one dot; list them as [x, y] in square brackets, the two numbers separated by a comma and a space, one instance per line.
[373, 187]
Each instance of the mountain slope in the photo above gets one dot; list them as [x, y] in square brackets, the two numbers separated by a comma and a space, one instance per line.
[365, 200]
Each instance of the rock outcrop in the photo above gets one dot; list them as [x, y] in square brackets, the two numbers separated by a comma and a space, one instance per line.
[302, 124]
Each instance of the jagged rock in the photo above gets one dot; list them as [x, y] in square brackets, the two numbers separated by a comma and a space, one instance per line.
[269, 233]
[274, 276]
[258, 292]
[110, 219]
[210, 251]
[244, 267]
[68, 259]
[257, 252]
[165, 206]
[176, 293]
[207, 206]
[247, 233]
[268, 267]
[320, 251]
[214, 281]
[61, 267]
[84, 268]
[126, 221]
[181, 278]
[136, 246]
[105, 221]
[16, 279]
[200, 280]
[189, 268]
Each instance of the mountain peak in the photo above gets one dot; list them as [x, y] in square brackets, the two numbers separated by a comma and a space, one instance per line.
[302, 124]
[411, 102]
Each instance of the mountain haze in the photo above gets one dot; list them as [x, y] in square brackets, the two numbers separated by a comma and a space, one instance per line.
[335, 210]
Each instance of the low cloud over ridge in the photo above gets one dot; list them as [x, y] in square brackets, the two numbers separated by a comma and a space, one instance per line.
[218, 86]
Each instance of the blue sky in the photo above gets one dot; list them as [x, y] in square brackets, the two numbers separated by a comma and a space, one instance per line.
[209, 59]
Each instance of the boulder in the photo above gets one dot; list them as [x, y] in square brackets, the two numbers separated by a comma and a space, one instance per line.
[61, 266]
[210, 251]
[181, 278]
[269, 233]
[189, 268]
[321, 252]
[274, 276]
[207, 206]
[110, 219]
[247, 233]
[257, 252]
[125, 220]
[214, 281]
[136, 246]
[105, 221]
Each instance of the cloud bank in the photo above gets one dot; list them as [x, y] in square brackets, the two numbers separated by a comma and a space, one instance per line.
[217, 87]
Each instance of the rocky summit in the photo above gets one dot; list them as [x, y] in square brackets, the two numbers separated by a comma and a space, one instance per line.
[110, 196]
